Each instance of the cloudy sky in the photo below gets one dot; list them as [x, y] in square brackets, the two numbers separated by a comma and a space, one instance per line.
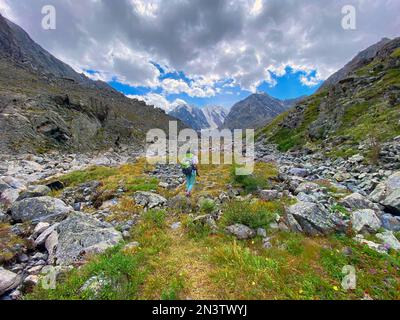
[206, 52]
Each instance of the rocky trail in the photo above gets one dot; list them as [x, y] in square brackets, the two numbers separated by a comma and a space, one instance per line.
[111, 226]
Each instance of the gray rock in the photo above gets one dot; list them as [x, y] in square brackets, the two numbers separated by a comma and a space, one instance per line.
[262, 232]
[365, 221]
[389, 240]
[40, 228]
[176, 226]
[51, 246]
[299, 172]
[149, 200]
[179, 202]
[41, 209]
[269, 195]
[8, 197]
[95, 285]
[41, 239]
[313, 220]
[8, 280]
[241, 231]
[390, 222]
[388, 193]
[375, 246]
[307, 188]
[356, 201]
[34, 191]
[80, 235]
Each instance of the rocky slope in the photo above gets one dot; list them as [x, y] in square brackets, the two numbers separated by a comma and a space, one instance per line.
[361, 109]
[46, 105]
[210, 117]
[256, 111]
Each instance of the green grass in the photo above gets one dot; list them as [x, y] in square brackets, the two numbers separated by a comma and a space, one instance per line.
[253, 215]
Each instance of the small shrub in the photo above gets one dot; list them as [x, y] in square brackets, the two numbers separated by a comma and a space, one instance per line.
[207, 206]
[253, 215]
[156, 217]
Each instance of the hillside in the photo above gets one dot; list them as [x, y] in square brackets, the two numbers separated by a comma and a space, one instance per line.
[364, 107]
[46, 105]
[255, 111]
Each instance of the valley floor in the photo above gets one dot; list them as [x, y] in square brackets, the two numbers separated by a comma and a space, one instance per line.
[172, 253]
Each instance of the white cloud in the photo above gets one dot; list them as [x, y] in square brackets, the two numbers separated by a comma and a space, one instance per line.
[209, 41]
[158, 101]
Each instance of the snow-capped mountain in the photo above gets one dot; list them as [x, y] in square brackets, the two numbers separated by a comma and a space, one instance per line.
[211, 117]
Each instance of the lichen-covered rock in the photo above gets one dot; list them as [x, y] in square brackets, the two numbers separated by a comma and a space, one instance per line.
[8, 280]
[149, 200]
[41, 209]
[269, 195]
[388, 193]
[356, 201]
[390, 222]
[82, 235]
[34, 191]
[241, 232]
[312, 220]
[365, 221]
[389, 240]
[306, 187]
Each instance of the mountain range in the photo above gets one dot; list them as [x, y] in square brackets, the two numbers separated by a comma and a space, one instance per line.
[210, 117]
[256, 111]
[46, 105]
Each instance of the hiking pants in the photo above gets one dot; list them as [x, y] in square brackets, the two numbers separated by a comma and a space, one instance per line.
[190, 181]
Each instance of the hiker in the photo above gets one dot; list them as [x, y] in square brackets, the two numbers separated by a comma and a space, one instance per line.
[190, 170]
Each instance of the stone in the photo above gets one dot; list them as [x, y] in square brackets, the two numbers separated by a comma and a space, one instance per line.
[356, 159]
[312, 220]
[241, 232]
[342, 176]
[34, 191]
[307, 188]
[390, 222]
[365, 221]
[267, 243]
[51, 246]
[81, 235]
[4, 217]
[387, 194]
[163, 185]
[356, 201]
[389, 240]
[299, 172]
[95, 285]
[149, 200]
[14, 183]
[8, 280]
[176, 225]
[8, 197]
[131, 246]
[41, 239]
[180, 203]
[269, 195]
[40, 228]
[262, 232]
[375, 246]
[41, 209]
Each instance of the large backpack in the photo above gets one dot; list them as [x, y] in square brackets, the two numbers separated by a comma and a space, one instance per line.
[187, 166]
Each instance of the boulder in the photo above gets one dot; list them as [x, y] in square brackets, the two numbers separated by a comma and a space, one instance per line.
[299, 172]
[179, 203]
[34, 192]
[389, 240]
[307, 188]
[80, 235]
[388, 194]
[149, 200]
[14, 183]
[307, 217]
[390, 222]
[356, 201]
[8, 280]
[374, 246]
[365, 221]
[41, 209]
[41, 239]
[8, 197]
[269, 195]
[241, 231]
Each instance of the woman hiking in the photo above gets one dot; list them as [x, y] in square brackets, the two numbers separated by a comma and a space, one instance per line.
[190, 170]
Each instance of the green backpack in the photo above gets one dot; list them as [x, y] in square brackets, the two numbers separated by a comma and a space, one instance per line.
[187, 165]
